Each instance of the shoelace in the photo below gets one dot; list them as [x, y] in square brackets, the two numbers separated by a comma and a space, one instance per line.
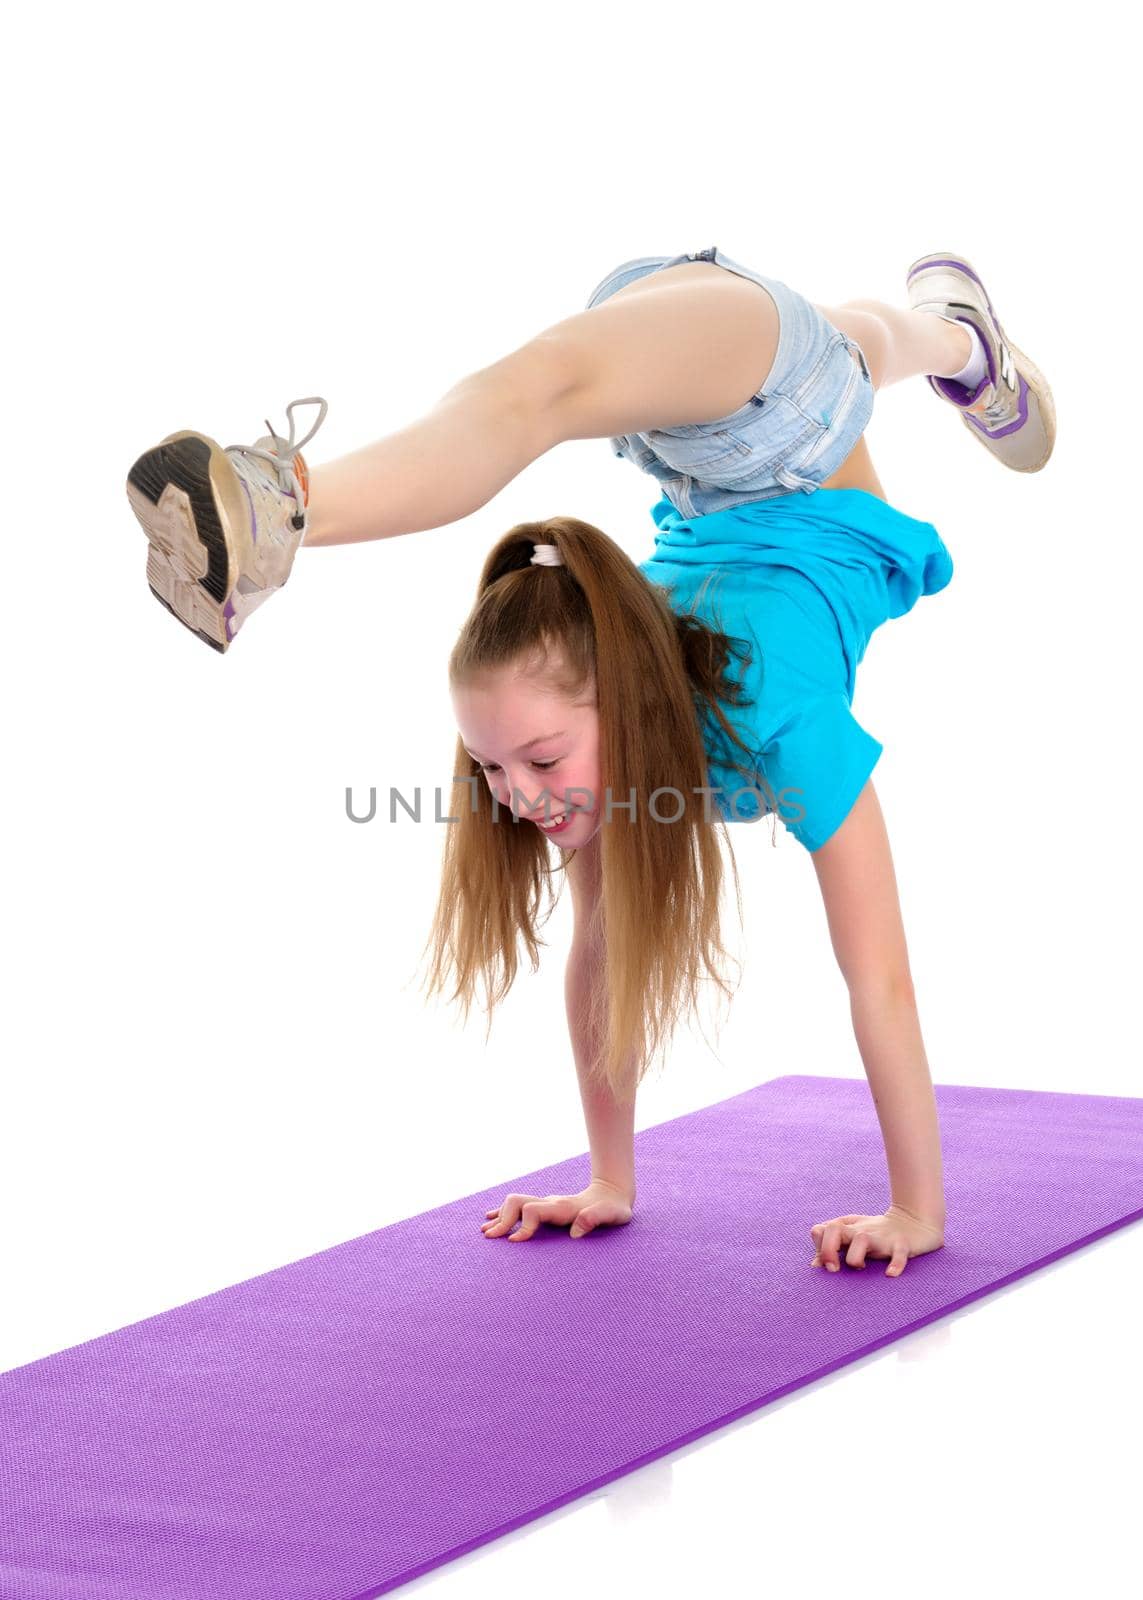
[997, 411]
[281, 462]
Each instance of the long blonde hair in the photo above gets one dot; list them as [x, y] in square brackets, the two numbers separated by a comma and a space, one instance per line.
[654, 670]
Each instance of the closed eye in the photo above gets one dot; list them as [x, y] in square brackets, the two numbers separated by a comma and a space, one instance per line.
[544, 766]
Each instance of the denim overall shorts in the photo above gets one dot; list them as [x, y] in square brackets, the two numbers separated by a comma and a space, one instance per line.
[792, 434]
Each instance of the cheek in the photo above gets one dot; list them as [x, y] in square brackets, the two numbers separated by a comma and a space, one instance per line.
[586, 777]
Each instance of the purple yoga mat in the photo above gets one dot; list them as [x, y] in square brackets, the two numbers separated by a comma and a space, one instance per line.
[333, 1428]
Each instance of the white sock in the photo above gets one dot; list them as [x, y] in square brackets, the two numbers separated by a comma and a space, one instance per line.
[976, 367]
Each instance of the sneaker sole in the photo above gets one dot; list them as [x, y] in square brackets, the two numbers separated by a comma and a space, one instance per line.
[187, 497]
[1031, 373]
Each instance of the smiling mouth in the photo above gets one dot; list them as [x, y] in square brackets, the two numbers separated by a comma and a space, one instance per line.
[560, 819]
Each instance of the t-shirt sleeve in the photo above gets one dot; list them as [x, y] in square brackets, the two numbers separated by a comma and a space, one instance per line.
[816, 764]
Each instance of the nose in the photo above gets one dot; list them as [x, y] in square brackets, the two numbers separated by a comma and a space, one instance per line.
[533, 804]
[524, 793]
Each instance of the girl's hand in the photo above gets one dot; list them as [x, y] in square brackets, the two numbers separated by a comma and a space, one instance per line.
[600, 1202]
[898, 1233]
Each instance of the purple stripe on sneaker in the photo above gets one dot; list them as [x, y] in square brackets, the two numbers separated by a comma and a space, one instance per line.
[944, 261]
[228, 614]
[951, 261]
[945, 387]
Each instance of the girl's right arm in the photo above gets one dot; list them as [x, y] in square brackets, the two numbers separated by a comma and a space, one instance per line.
[610, 1121]
[609, 1197]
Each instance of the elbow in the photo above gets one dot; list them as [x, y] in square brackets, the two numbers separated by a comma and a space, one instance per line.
[888, 987]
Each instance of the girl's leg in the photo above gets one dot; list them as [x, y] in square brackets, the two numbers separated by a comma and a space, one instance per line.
[449, 463]
[681, 346]
[899, 342]
[689, 344]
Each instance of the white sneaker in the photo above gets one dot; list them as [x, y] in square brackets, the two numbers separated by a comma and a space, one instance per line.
[1011, 411]
[222, 525]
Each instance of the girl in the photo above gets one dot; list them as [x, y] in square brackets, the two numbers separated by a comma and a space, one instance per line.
[620, 710]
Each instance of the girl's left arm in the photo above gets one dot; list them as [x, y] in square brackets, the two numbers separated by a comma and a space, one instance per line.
[859, 888]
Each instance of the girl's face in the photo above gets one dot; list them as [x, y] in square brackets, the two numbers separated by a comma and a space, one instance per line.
[539, 753]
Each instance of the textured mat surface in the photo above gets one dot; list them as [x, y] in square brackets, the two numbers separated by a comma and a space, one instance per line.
[340, 1425]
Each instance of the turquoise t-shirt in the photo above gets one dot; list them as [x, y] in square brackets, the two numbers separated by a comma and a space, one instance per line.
[804, 579]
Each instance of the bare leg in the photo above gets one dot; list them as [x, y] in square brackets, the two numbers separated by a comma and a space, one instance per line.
[687, 346]
[446, 465]
[899, 342]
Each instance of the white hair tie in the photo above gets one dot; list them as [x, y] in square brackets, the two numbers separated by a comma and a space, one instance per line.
[547, 555]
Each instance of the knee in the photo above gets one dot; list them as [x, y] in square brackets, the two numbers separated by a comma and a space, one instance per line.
[875, 339]
[540, 372]
[869, 327]
[529, 391]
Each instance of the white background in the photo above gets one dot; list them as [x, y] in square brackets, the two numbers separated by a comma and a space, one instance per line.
[217, 1059]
